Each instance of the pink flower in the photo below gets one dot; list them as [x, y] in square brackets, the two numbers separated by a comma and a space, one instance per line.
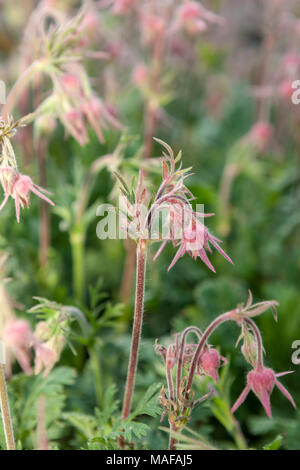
[19, 189]
[192, 17]
[210, 362]
[261, 381]
[18, 337]
[194, 242]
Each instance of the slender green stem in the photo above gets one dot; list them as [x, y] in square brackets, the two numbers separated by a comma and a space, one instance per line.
[137, 326]
[95, 364]
[5, 411]
[77, 240]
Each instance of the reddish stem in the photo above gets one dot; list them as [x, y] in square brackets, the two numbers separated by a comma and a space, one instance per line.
[137, 326]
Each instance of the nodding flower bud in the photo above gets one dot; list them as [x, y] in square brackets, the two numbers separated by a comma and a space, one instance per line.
[249, 346]
[261, 380]
[171, 356]
[209, 363]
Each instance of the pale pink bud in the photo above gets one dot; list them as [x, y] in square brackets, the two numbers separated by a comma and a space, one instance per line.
[171, 357]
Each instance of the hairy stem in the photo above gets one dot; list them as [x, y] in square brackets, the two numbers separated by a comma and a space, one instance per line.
[41, 429]
[44, 208]
[209, 330]
[181, 355]
[137, 326]
[172, 441]
[5, 412]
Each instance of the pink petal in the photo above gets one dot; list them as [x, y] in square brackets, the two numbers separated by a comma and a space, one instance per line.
[222, 252]
[281, 374]
[241, 399]
[265, 400]
[178, 255]
[17, 204]
[162, 246]
[285, 393]
[41, 195]
[4, 202]
[202, 254]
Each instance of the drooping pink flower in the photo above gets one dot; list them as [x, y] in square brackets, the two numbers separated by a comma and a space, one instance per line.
[194, 242]
[18, 337]
[261, 381]
[19, 189]
[209, 363]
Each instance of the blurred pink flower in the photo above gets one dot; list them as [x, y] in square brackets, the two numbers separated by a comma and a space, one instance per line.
[192, 18]
[18, 337]
[261, 381]
[121, 7]
[19, 189]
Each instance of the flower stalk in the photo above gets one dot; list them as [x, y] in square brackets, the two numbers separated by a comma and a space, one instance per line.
[5, 411]
[137, 326]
